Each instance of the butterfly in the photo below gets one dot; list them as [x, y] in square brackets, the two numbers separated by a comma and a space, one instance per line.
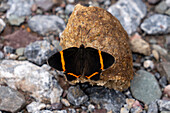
[77, 62]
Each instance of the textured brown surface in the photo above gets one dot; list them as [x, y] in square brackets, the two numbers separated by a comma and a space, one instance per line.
[95, 27]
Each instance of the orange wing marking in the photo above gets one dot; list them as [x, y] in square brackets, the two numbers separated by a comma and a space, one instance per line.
[92, 75]
[62, 61]
[101, 59]
[77, 76]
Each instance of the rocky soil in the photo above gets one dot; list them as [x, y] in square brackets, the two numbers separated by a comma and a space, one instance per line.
[30, 32]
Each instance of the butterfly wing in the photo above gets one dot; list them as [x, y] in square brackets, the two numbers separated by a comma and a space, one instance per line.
[95, 62]
[65, 61]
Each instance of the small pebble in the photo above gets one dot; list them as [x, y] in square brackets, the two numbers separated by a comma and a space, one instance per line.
[56, 106]
[167, 90]
[13, 56]
[163, 81]
[65, 102]
[153, 108]
[46, 67]
[1, 55]
[22, 58]
[168, 12]
[157, 76]
[8, 50]
[148, 64]
[159, 49]
[35, 106]
[161, 7]
[2, 25]
[124, 110]
[130, 102]
[71, 110]
[20, 51]
[91, 107]
[164, 105]
[155, 54]
[76, 96]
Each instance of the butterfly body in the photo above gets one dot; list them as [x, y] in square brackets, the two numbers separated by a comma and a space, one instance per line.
[81, 62]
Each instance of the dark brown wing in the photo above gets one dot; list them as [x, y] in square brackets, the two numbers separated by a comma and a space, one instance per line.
[93, 63]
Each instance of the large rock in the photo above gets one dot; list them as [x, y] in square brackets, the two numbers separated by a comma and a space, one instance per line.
[11, 100]
[19, 38]
[39, 51]
[156, 24]
[129, 13]
[109, 99]
[145, 87]
[30, 78]
[19, 9]
[43, 24]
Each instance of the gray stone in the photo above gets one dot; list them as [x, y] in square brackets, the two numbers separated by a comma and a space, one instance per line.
[43, 24]
[1, 55]
[35, 107]
[76, 96]
[156, 24]
[56, 106]
[39, 51]
[161, 50]
[2, 25]
[161, 7]
[163, 81]
[45, 4]
[164, 105]
[4, 6]
[55, 93]
[168, 2]
[167, 43]
[144, 87]
[69, 9]
[110, 100]
[19, 8]
[136, 109]
[56, 44]
[16, 20]
[71, 110]
[165, 70]
[129, 13]
[20, 51]
[11, 100]
[30, 78]
[8, 50]
[153, 108]
[21, 58]
[167, 12]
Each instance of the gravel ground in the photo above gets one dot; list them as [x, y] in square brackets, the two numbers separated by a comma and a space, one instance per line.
[30, 33]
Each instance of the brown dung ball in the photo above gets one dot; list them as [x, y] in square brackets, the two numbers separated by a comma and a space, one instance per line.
[97, 28]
